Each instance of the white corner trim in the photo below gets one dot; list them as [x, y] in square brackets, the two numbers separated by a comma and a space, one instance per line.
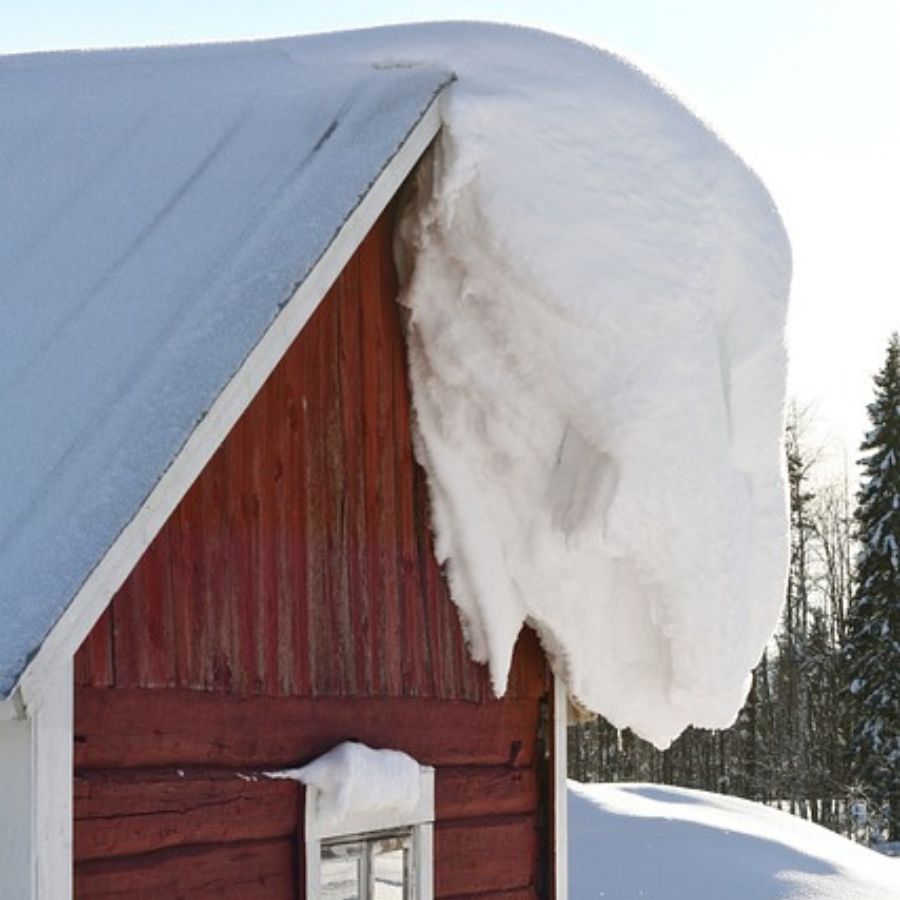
[36, 796]
[560, 789]
[53, 746]
[109, 574]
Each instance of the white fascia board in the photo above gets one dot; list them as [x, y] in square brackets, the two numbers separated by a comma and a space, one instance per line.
[560, 789]
[109, 574]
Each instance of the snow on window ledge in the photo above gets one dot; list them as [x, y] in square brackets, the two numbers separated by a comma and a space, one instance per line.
[357, 795]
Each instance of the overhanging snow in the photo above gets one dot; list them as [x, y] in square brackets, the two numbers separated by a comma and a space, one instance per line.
[598, 290]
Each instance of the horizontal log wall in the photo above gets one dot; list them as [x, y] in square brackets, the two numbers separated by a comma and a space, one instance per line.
[293, 601]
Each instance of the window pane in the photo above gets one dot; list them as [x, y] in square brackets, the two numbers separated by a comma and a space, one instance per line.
[390, 868]
[342, 871]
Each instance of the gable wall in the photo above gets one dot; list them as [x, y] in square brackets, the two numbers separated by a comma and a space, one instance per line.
[292, 601]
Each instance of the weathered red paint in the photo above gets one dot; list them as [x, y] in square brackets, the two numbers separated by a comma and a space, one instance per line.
[292, 601]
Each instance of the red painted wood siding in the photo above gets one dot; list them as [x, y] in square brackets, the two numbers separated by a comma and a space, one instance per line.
[292, 601]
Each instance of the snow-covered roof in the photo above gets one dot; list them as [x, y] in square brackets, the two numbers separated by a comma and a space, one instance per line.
[159, 207]
[597, 290]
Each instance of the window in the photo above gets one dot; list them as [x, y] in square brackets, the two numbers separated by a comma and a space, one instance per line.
[371, 855]
[380, 866]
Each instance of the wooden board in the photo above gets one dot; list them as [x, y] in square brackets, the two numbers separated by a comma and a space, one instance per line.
[469, 792]
[133, 812]
[138, 728]
[475, 856]
[259, 870]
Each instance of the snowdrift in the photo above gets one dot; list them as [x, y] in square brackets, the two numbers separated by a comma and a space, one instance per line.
[655, 841]
[597, 290]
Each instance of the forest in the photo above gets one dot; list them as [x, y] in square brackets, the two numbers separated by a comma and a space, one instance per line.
[819, 734]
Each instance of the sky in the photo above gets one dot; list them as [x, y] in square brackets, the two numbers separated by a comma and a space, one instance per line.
[807, 91]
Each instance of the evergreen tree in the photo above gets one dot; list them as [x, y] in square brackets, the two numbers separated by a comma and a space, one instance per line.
[872, 651]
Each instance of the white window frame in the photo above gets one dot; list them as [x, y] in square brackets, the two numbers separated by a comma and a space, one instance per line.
[369, 824]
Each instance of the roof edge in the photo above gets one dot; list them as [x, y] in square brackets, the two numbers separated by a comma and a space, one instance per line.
[108, 575]
[10, 709]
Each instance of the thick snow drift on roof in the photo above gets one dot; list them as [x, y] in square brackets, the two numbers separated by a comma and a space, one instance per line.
[666, 843]
[598, 291]
[597, 288]
[158, 209]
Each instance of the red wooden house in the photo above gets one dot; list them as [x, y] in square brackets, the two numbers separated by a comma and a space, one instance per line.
[215, 548]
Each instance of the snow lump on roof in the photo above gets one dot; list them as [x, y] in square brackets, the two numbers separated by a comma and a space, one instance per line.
[598, 290]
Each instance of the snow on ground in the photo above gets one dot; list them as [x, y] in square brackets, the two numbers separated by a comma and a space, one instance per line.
[653, 841]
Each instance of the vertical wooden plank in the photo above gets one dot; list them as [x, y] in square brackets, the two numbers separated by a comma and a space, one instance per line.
[283, 507]
[377, 395]
[419, 639]
[339, 529]
[143, 623]
[398, 635]
[213, 629]
[262, 437]
[298, 521]
[382, 678]
[238, 555]
[318, 584]
[187, 588]
[152, 642]
[422, 666]
[81, 668]
[124, 623]
[94, 659]
[241, 538]
[331, 661]
[351, 390]
[453, 660]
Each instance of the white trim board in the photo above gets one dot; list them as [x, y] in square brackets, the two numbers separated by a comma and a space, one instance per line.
[560, 789]
[36, 796]
[98, 589]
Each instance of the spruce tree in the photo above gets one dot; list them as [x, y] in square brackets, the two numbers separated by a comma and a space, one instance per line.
[873, 644]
